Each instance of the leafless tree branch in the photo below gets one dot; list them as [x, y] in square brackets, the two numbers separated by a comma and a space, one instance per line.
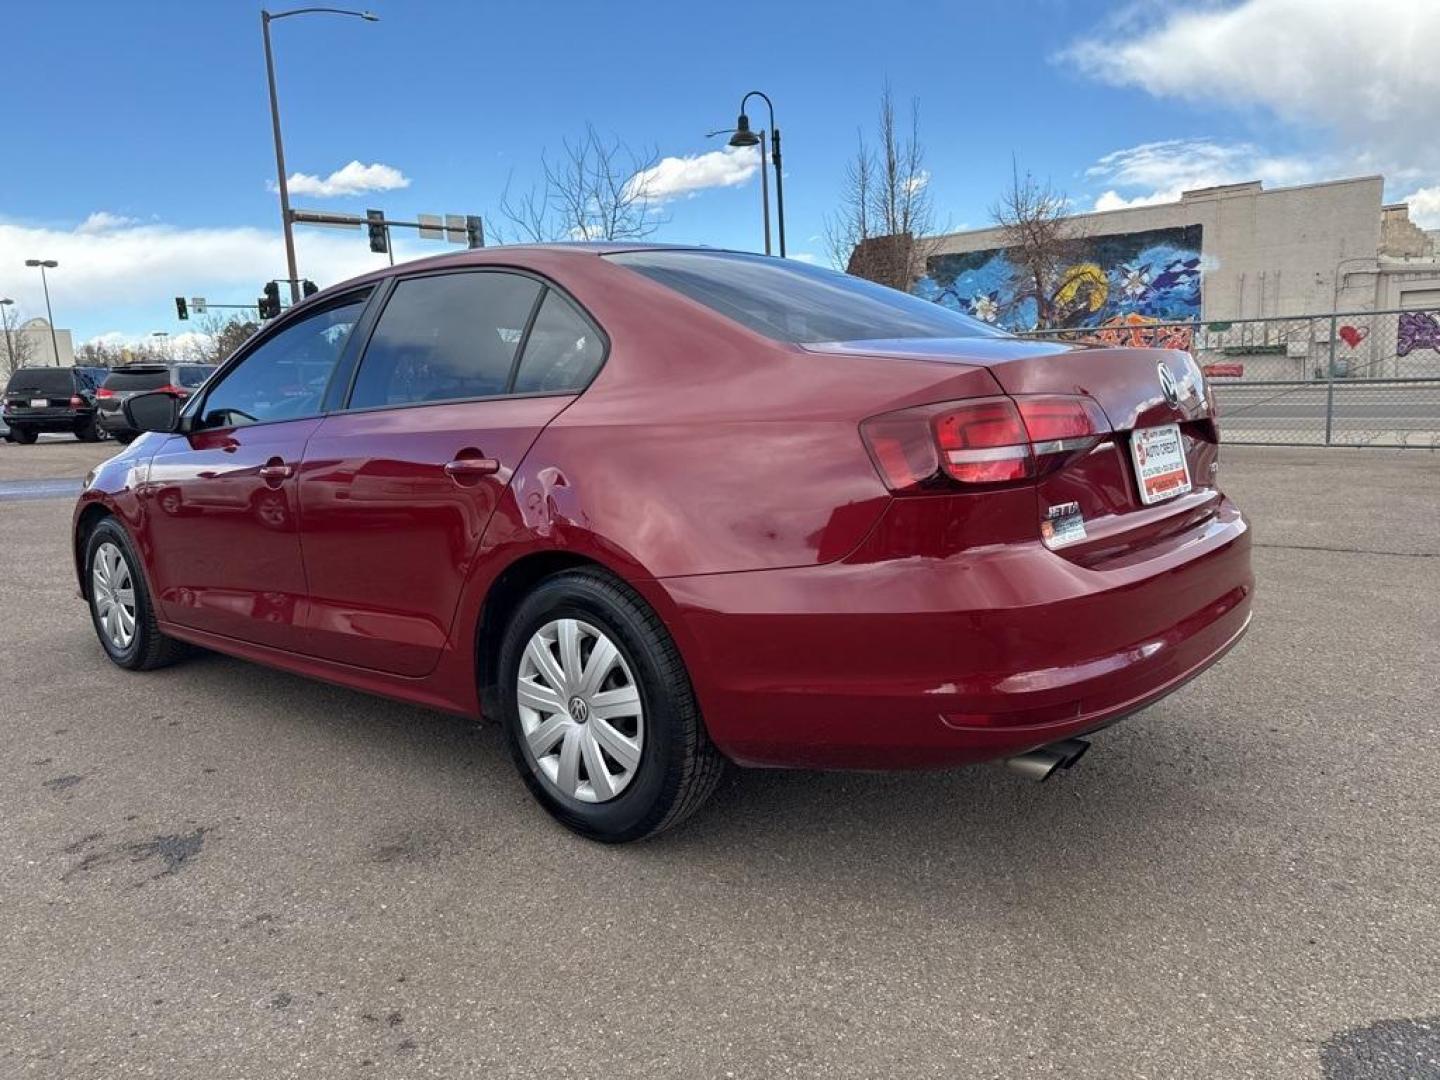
[881, 229]
[595, 189]
[1039, 238]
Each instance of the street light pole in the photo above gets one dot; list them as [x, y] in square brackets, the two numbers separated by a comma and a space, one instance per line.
[44, 264]
[266, 18]
[5, 316]
[745, 137]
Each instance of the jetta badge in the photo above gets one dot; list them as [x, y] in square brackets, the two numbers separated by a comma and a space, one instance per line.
[1167, 384]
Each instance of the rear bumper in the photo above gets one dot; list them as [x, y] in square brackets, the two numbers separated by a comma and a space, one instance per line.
[926, 662]
[68, 420]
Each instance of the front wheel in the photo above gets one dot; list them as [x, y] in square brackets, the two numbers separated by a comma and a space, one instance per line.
[599, 713]
[120, 604]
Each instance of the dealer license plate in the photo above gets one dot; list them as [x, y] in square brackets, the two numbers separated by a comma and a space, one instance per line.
[39, 403]
[1160, 466]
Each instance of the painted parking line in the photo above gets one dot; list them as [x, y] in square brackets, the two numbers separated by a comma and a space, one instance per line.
[14, 490]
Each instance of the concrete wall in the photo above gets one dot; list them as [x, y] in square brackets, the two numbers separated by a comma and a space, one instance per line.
[1289, 251]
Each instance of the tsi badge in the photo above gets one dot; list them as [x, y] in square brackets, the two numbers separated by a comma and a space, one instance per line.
[1063, 524]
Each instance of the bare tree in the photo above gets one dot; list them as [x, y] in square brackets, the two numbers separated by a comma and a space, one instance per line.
[597, 189]
[218, 337]
[19, 348]
[1039, 239]
[882, 228]
[850, 227]
[113, 354]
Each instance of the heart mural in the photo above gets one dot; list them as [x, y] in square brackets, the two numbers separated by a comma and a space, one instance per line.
[1353, 335]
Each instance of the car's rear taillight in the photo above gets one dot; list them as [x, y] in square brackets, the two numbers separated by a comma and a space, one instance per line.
[171, 388]
[104, 393]
[997, 440]
[76, 401]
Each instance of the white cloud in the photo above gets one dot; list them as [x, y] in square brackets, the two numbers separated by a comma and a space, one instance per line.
[918, 181]
[102, 220]
[135, 269]
[672, 177]
[353, 179]
[1366, 72]
[1425, 206]
[1158, 172]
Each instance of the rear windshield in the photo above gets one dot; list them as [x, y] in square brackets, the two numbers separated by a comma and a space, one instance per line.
[192, 375]
[55, 380]
[790, 301]
[138, 379]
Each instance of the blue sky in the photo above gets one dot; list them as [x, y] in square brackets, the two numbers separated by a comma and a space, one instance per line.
[140, 151]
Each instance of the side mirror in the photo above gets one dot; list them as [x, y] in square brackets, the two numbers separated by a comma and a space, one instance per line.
[157, 411]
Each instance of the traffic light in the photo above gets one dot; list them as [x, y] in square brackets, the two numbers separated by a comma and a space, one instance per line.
[309, 288]
[379, 234]
[474, 231]
[180, 308]
[269, 304]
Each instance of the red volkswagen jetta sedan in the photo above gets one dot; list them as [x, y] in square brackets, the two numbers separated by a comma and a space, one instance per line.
[654, 508]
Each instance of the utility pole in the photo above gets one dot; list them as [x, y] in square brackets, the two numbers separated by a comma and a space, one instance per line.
[265, 19]
[280, 159]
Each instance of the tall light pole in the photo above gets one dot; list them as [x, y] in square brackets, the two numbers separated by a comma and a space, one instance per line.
[745, 137]
[266, 18]
[48, 264]
[5, 318]
[751, 138]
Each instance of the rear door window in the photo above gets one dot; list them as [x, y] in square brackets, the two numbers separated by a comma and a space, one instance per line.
[445, 337]
[562, 352]
[190, 376]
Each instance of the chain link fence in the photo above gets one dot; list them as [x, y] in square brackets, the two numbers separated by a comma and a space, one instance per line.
[1359, 378]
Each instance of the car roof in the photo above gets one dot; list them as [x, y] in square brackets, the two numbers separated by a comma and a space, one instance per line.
[500, 254]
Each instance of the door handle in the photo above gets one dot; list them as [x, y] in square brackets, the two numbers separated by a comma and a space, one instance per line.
[465, 468]
[276, 470]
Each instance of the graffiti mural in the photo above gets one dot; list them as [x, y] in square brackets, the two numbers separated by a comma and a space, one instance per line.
[1142, 332]
[1153, 276]
[1416, 330]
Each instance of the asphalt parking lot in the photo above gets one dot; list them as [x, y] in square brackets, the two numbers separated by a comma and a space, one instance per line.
[217, 870]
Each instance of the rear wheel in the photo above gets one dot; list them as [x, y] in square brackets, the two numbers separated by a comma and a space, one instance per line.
[599, 713]
[120, 604]
[90, 431]
[24, 435]
[123, 437]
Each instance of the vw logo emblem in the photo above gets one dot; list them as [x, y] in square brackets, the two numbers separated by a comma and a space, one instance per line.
[579, 711]
[1167, 384]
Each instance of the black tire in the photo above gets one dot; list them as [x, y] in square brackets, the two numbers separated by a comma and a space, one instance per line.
[89, 431]
[124, 438]
[24, 436]
[679, 765]
[149, 649]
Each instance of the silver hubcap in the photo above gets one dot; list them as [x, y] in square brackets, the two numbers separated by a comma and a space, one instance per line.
[580, 711]
[112, 591]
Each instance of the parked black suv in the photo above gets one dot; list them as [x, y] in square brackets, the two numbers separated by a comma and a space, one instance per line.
[182, 380]
[51, 399]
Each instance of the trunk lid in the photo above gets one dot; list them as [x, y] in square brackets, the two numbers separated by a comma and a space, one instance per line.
[1091, 510]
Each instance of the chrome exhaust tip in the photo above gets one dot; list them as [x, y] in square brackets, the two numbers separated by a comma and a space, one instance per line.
[1042, 763]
